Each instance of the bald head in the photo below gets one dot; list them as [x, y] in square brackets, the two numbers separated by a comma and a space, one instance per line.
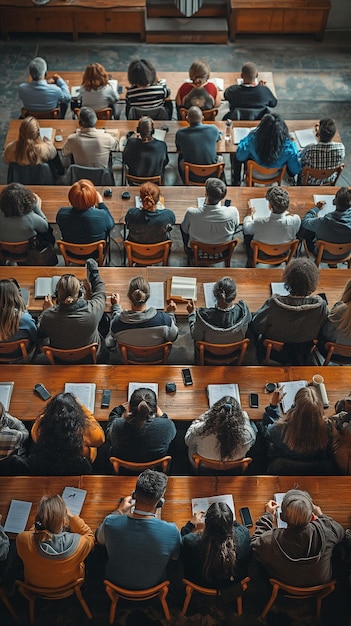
[194, 115]
[249, 72]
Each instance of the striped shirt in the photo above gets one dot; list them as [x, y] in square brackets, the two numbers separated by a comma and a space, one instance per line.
[149, 97]
[323, 156]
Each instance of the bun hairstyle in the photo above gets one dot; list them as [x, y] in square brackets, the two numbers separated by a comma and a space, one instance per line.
[199, 72]
[50, 517]
[68, 289]
[145, 128]
[143, 405]
[150, 195]
[225, 290]
[83, 195]
[139, 291]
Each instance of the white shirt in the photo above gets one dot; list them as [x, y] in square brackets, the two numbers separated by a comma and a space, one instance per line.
[277, 228]
[212, 223]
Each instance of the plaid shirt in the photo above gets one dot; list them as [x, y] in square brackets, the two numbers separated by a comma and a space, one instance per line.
[13, 434]
[323, 156]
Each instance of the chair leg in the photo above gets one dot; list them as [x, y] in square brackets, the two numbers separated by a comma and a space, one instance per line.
[83, 603]
[188, 594]
[270, 601]
[6, 602]
[31, 609]
[239, 605]
[163, 594]
[113, 608]
[318, 607]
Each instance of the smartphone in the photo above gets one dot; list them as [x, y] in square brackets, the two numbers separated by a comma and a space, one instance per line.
[106, 398]
[254, 400]
[187, 379]
[227, 202]
[42, 391]
[120, 89]
[324, 296]
[246, 516]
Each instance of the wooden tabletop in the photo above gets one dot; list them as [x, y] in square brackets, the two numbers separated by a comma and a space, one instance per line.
[103, 493]
[186, 403]
[66, 127]
[178, 199]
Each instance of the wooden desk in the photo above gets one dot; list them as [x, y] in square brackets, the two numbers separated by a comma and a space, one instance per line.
[333, 496]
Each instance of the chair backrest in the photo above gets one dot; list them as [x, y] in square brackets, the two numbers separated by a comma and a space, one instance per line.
[292, 351]
[162, 463]
[152, 355]
[325, 176]
[100, 176]
[241, 113]
[257, 174]
[206, 254]
[147, 253]
[203, 171]
[78, 253]
[114, 593]
[52, 114]
[158, 113]
[56, 593]
[209, 115]
[239, 467]
[220, 354]
[76, 355]
[235, 591]
[318, 592]
[341, 252]
[10, 347]
[283, 466]
[139, 180]
[344, 352]
[274, 253]
[104, 114]
[40, 174]
[14, 250]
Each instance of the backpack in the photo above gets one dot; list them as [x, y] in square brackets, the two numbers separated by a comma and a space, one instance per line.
[198, 97]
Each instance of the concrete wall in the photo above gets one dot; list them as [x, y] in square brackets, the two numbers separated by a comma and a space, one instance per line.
[340, 15]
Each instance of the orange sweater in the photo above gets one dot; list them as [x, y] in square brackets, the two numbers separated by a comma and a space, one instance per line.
[48, 572]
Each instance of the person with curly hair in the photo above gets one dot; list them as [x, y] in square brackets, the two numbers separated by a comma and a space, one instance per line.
[217, 555]
[146, 91]
[152, 223]
[96, 92]
[21, 217]
[15, 321]
[223, 433]
[294, 319]
[66, 436]
[140, 432]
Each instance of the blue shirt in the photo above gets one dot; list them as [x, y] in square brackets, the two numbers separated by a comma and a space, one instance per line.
[289, 155]
[87, 226]
[138, 549]
[38, 95]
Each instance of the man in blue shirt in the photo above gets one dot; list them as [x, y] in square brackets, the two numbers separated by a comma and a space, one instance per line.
[42, 95]
[139, 545]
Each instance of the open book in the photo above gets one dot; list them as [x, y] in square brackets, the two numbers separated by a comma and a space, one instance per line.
[328, 207]
[240, 133]
[305, 137]
[6, 390]
[290, 390]
[74, 499]
[160, 134]
[183, 288]
[261, 207]
[45, 286]
[46, 133]
[210, 300]
[217, 392]
[134, 386]
[202, 504]
[219, 82]
[278, 497]
[279, 289]
[85, 392]
[17, 516]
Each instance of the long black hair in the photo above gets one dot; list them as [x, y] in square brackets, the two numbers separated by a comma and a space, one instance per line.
[270, 136]
[225, 419]
[218, 543]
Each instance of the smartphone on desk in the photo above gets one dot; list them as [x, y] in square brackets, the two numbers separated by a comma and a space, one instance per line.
[187, 378]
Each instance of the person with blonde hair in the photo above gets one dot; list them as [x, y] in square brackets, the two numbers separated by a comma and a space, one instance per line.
[338, 325]
[144, 155]
[88, 219]
[15, 320]
[31, 149]
[200, 91]
[96, 92]
[140, 432]
[54, 550]
[141, 326]
[152, 223]
[301, 553]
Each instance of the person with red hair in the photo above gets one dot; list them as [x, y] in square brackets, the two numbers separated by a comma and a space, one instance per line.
[152, 223]
[96, 91]
[87, 219]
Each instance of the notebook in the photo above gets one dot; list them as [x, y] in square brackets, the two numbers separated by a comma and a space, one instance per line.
[240, 133]
[85, 392]
[134, 386]
[45, 286]
[217, 392]
[261, 206]
[6, 390]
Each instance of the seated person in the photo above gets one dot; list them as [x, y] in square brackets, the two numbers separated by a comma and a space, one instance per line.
[141, 432]
[89, 146]
[334, 227]
[21, 217]
[40, 94]
[15, 321]
[52, 555]
[286, 435]
[145, 155]
[213, 222]
[4, 545]
[279, 227]
[301, 553]
[146, 91]
[269, 145]
[341, 431]
[141, 326]
[87, 219]
[223, 433]
[337, 327]
[326, 154]
[226, 322]
[73, 321]
[200, 91]
[217, 555]
[295, 319]
[250, 94]
[96, 92]
[152, 223]
[13, 434]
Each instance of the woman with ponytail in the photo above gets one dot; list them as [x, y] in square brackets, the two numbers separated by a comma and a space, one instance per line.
[140, 431]
[53, 551]
[144, 155]
[152, 223]
[215, 557]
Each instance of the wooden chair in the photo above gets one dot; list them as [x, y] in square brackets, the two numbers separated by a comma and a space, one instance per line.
[101, 114]
[147, 254]
[277, 346]
[341, 250]
[32, 593]
[152, 355]
[115, 593]
[163, 464]
[258, 175]
[274, 253]
[206, 254]
[6, 602]
[299, 593]
[15, 252]
[139, 180]
[342, 356]
[76, 355]
[220, 354]
[52, 114]
[203, 171]
[8, 347]
[240, 466]
[209, 115]
[78, 253]
[322, 175]
[190, 587]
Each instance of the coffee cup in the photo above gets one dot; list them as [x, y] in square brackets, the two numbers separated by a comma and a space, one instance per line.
[317, 380]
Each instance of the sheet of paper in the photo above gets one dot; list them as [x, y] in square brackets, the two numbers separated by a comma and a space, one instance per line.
[278, 497]
[290, 390]
[6, 390]
[85, 393]
[219, 82]
[239, 81]
[45, 285]
[328, 207]
[201, 202]
[210, 300]
[202, 504]
[261, 207]
[240, 133]
[217, 392]
[114, 84]
[157, 295]
[46, 133]
[160, 134]
[138, 202]
[17, 516]
[74, 499]
[279, 289]
[184, 286]
[305, 137]
[133, 386]
[75, 91]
